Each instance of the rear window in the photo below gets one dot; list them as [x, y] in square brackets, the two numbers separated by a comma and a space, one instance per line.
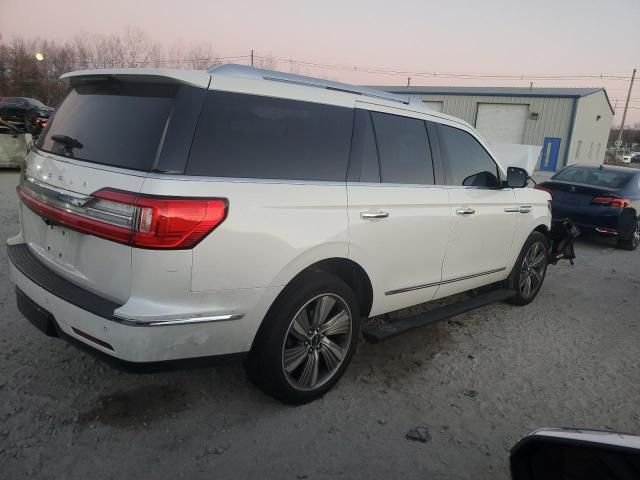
[111, 123]
[595, 177]
[249, 136]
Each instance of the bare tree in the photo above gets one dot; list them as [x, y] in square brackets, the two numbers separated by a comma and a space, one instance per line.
[266, 62]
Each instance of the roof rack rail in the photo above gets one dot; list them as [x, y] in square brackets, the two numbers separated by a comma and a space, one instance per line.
[244, 71]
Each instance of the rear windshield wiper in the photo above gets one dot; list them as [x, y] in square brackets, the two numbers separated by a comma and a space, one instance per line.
[67, 141]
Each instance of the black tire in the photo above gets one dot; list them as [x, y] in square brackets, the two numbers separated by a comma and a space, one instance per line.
[633, 241]
[535, 245]
[278, 336]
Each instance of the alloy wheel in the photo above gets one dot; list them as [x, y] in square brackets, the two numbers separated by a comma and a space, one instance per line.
[533, 270]
[635, 239]
[317, 342]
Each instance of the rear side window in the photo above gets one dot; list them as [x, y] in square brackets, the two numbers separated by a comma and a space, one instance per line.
[403, 149]
[112, 123]
[250, 136]
[466, 162]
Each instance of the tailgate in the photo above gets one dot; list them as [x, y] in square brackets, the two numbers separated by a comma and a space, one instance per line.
[99, 265]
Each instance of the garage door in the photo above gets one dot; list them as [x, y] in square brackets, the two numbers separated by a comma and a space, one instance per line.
[501, 122]
[437, 106]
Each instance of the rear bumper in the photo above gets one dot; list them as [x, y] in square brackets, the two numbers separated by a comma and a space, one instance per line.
[61, 308]
[617, 222]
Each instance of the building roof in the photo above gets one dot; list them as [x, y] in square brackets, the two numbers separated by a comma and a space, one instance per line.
[558, 92]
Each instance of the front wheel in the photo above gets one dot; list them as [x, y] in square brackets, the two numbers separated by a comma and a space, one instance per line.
[307, 339]
[530, 269]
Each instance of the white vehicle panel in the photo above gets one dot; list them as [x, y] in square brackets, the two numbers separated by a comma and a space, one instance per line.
[99, 265]
[273, 231]
[480, 241]
[402, 253]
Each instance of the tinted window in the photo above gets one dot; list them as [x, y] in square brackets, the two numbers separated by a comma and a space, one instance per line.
[466, 162]
[251, 136]
[592, 176]
[111, 123]
[363, 162]
[403, 148]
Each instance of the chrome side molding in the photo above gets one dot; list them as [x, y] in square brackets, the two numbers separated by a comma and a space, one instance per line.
[130, 322]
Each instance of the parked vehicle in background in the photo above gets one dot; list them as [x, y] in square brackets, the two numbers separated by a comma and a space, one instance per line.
[14, 145]
[242, 211]
[604, 199]
[29, 113]
[631, 157]
[634, 157]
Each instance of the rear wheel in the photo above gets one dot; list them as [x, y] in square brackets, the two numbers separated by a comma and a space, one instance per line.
[530, 269]
[307, 339]
[633, 241]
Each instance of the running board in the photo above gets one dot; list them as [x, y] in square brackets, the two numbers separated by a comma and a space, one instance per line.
[380, 332]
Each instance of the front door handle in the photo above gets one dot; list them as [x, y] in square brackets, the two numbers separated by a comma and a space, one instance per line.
[465, 211]
[373, 215]
[520, 209]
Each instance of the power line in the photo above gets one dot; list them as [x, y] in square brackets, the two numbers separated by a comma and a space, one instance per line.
[386, 71]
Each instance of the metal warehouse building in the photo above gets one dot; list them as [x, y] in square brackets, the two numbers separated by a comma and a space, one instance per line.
[570, 124]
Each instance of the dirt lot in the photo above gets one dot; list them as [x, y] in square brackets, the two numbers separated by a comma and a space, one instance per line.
[477, 382]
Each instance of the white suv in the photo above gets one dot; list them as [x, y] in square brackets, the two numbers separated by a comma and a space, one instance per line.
[170, 214]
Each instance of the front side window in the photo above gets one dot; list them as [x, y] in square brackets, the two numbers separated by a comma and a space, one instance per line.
[251, 136]
[403, 148]
[466, 162]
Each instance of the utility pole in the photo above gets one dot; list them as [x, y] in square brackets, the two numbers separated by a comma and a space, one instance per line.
[624, 113]
[252, 57]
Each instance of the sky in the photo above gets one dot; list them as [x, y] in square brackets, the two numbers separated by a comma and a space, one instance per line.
[533, 37]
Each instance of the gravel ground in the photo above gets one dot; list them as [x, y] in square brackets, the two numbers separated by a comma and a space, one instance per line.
[476, 383]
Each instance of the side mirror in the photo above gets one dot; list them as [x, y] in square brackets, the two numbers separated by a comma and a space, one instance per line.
[482, 179]
[517, 177]
[560, 453]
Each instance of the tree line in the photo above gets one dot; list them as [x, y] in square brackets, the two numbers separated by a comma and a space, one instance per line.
[22, 74]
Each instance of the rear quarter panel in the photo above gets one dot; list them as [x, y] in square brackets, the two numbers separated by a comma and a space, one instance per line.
[273, 229]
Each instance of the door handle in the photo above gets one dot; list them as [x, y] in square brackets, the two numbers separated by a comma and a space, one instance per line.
[373, 215]
[520, 209]
[465, 211]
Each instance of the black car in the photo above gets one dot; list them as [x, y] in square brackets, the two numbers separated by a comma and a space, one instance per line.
[604, 199]
[29, 113]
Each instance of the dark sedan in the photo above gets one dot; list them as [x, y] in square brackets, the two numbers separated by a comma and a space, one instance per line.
[30, 113]
[604, 199]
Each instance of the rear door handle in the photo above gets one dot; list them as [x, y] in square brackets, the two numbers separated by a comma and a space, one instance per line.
[465, 211]
[373, 215]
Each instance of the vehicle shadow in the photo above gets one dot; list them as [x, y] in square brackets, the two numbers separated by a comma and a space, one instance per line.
[136, 401]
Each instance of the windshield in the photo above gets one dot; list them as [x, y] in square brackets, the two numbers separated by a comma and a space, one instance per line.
[111, 123]
[595, 177]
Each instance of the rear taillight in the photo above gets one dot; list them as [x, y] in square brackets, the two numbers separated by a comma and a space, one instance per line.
[132, 219]
[611, 201]
[544, 189]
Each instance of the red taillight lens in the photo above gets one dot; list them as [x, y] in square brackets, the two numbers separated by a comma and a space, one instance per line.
[137, 220]
[544, 189]
[169, 222]
[611, 201]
